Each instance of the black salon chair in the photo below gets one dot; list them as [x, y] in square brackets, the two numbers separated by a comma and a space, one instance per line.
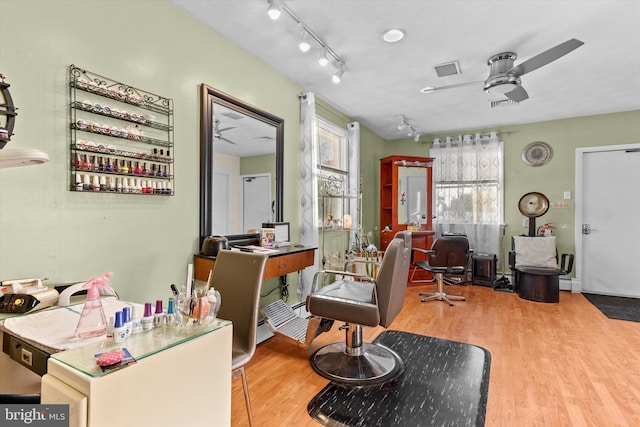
[533, 261]
[364, 301]
[449, 255]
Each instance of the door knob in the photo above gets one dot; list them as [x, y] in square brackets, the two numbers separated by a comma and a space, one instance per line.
[586, 228]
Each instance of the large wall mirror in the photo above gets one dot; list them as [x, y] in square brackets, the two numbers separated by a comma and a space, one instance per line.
[241, 165]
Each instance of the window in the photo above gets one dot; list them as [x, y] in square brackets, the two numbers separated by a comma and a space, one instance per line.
[333, 173]
[468, 188]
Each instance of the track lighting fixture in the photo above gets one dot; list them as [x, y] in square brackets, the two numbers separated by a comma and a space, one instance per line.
[337, 77]
[304, 41]
[274, 9]
[322, 59]
[406, 126]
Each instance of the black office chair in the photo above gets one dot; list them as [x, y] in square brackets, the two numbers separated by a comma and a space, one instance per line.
[449, 255]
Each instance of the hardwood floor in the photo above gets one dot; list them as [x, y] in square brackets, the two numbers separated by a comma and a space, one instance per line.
[563, 364]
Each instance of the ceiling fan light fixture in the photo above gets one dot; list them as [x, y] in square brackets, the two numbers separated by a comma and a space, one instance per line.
[501, 84]
[428, 89]
[274, 10]
[393, 35]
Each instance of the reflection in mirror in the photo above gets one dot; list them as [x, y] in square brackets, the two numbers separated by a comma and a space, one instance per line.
[412, 194]
[241, 166]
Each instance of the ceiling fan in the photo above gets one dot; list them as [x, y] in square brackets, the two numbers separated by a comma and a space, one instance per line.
[504, 77]
[217, 132]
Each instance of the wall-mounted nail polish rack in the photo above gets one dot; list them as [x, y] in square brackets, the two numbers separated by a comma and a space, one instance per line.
[121, 137]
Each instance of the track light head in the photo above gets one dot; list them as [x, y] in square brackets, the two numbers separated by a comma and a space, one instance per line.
[417, 137]
[273, 10]
[337, 77]
[323, 60]
[304, 45]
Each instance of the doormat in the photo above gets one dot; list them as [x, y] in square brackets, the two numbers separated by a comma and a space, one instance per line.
[620, 308]
[445, 383]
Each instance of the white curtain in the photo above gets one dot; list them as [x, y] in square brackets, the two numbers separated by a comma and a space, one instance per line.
[353, 143]
[308, 185]
[468, 189]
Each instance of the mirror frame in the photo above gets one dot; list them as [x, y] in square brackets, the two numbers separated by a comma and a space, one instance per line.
[209, 96]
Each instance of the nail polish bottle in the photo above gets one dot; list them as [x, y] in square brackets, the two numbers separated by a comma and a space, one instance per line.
[163, 189]
[158, 317]
[112, 184]
[154, 156]
[86, 183]
[145, 171]
[169, 317]
[87, 165]
[136, 320]
[126, 319]
[138, 186]
[102, 167]
[169, 188]
[110, 167]
[78, 163]
[79, 186]
[116, 166]
[118, 185]
[161, 154]
[168, 155]
[124, 169]
[147, 318]
[154, 188]
[119, 331]
[95, 166]
[138, 169]
[103, 183]
[131, 168]
[125, 185]
[95, 185]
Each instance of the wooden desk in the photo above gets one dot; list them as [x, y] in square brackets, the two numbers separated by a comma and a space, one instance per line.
[287, 260]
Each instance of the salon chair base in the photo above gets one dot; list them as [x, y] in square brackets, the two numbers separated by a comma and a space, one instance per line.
[375, 364]
[440, 294]
[539, 284]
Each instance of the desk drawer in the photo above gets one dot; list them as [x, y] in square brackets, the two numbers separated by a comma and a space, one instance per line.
[282, 265]
[27, 355]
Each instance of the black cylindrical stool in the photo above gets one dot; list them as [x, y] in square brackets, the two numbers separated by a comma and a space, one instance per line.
[539, 284]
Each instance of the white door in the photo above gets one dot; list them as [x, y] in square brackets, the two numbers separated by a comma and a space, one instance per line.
[221, 203]
[609, 227]
[256, 201]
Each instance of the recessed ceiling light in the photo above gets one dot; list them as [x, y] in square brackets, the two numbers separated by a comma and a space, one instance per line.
[393, 35]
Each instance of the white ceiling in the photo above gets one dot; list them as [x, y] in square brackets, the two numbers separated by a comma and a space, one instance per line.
[383, 80]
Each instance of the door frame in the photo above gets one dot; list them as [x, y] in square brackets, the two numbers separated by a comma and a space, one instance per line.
[576, 282]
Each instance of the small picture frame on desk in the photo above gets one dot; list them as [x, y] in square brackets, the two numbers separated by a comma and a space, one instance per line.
[281, 231]
[268, 237]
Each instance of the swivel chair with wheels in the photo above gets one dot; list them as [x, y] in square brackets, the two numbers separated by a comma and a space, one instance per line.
[238, 278]
[362, 302]
[449, 254]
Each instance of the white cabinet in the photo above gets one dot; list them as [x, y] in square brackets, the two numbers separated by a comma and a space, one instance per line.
[181, 377]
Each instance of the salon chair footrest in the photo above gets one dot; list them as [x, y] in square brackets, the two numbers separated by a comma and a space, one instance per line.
[282, 320]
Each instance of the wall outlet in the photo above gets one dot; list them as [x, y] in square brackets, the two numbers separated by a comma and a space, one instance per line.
[567, 195]
[26, 357]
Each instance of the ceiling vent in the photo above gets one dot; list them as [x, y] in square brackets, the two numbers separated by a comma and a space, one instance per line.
[502, 103]
[448, 69]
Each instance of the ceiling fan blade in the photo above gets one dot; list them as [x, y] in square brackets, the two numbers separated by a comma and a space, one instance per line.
[546, 57]
[518, 94]
[227, 140]
[430, 89]
[227, 128]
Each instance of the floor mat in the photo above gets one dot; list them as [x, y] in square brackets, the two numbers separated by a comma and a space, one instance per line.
[620, 308]
[445, 383]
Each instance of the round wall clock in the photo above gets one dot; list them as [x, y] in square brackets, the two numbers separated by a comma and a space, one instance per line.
[537, 153]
